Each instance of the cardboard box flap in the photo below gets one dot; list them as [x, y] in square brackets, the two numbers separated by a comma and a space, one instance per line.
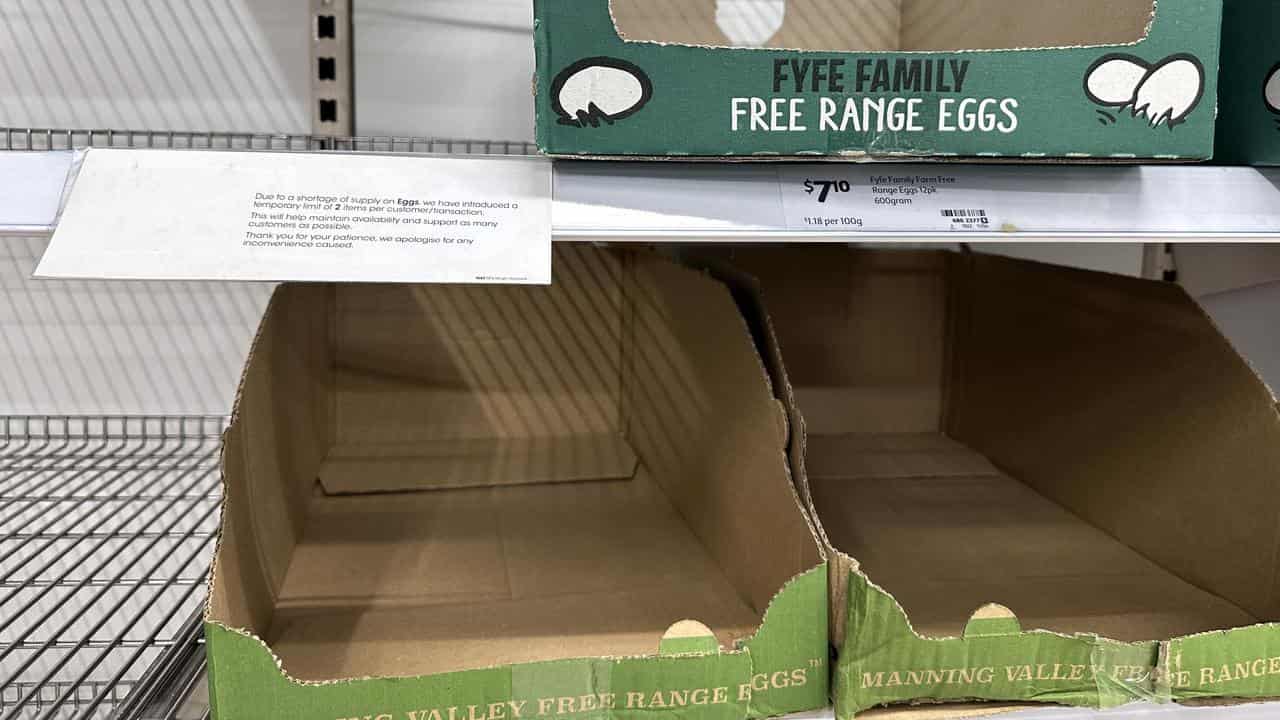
[685, 373]
[884, 25]
[357, 468]
[1120, 400]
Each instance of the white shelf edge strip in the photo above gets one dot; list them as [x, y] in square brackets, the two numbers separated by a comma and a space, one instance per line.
[32, 185]
[671, 201]
[929, 203]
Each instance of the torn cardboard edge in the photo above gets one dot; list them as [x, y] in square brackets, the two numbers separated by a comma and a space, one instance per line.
[1235, 665]
[670, 645]
[988, 662]
[749, 296]
[785, 641]
[696, 685]
[689, 673]
[1247, 658]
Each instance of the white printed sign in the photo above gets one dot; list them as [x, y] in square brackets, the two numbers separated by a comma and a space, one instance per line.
[211, 215]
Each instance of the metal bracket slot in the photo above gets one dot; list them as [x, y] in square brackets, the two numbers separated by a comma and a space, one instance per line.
[332, 68]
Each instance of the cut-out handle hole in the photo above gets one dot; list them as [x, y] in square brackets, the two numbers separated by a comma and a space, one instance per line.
[328, 111]
[886, 25]
[688, 637]
[993, 621]
[326, 26]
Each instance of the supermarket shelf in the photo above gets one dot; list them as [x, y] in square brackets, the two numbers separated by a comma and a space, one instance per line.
[769, 202]
[678, 201]
[36, 163]
[107, 529]
[176, 686]
[50, 139]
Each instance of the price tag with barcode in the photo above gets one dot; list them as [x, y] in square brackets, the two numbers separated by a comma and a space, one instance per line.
[883, 198]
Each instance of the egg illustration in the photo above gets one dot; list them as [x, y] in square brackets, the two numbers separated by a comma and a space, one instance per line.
[599, 89]
[1164, 93]
[1114, 79]
[1271, 89]
[1171, 91]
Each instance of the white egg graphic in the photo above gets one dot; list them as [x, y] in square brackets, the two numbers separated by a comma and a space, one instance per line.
[1272, 90]
[597, 89]
[750, 23]
[1171, 91]
[1114, 80]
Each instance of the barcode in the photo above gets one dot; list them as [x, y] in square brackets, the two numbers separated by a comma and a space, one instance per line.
[964, 213]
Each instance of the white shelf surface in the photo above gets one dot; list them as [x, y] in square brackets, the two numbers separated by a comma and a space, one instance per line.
[691, 202]
[673, 201]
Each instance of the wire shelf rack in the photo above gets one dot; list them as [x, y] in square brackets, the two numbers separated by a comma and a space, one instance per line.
[43, 139]
[107, 526]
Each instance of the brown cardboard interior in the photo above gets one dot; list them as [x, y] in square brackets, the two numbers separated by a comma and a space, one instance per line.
[424, 479]
[886, 25]
[1083, 448]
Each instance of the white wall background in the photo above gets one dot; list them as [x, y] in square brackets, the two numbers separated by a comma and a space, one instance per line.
[445, 68]
[155, 64]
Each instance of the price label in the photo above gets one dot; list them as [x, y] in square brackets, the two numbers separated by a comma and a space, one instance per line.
[881, 198]
[884, 198]
[824, 188]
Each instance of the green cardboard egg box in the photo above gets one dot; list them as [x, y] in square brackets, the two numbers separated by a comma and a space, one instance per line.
[1249, 122]
[1088, 80]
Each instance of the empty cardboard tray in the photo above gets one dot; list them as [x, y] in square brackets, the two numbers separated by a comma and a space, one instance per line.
[1085, 449]
[444, 497]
